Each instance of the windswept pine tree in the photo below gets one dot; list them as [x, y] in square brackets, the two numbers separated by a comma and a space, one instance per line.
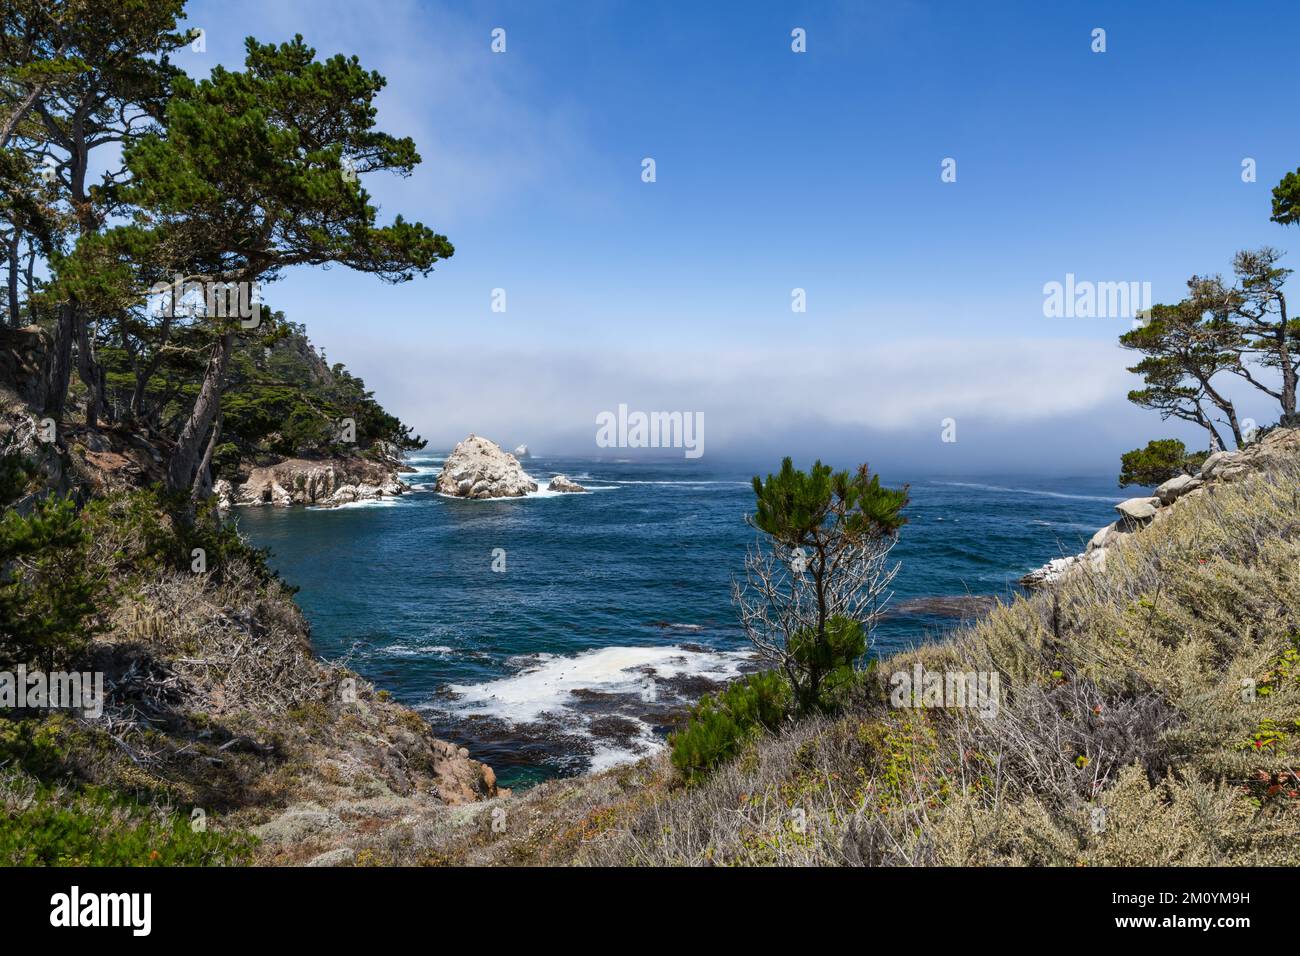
[1222, 330]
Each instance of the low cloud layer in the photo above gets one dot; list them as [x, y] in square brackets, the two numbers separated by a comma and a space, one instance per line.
[1038, 405]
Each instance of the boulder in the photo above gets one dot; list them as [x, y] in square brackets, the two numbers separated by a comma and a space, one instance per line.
[522, 453]
[343, 856]
[1218, 462]
[1176, 487]
[480, 468]
[1107, 536]
[561, 483]
[222, 489]
[1137, 511]
[24, 362]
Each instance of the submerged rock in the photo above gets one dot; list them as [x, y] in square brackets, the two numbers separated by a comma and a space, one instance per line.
[480, 468]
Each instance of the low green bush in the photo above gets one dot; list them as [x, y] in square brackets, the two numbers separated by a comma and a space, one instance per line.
[720, 724]
[98, 828]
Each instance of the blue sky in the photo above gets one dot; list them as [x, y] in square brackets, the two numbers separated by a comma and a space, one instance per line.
[778, 170]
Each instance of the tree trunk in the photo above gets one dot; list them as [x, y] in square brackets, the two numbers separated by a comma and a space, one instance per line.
[90, 373]
[14, 316]
[60, 364]
[203, 476]
[1288, 367]
[182, 470]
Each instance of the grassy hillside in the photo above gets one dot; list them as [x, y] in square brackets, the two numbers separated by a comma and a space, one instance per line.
[1150, 715]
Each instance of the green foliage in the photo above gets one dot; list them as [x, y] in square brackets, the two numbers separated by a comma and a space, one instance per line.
[98, 828]
[58, 560]
[721, 724]
[1184, 347]
[252, 161]
[833, 655]
[15, 473]
[794, 507]
[49, 599]
[840, 524]
[141, 533]
[1161, 460]
[52, 818]
[1286, 199]
[283, 400]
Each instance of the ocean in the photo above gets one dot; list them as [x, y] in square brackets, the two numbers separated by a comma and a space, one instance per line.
[558, 633]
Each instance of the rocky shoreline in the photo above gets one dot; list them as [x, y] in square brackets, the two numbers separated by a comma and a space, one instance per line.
[320, 483]
[1135, 514]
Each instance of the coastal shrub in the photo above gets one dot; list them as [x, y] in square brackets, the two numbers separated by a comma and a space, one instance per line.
[143, 533]
[720, 724]
[1150, 715]
[51, 816]
[49, 597]
[45, 826]
[1161, 460]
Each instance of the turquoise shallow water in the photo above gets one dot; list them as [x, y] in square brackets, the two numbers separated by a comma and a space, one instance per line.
[614, 607]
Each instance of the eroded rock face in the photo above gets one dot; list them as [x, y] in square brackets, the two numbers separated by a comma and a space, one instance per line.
[561, 483]
[299, 481]
[480, 468]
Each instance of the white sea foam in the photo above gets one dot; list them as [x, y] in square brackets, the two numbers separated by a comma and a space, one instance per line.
[682, 481]
[386, 502]
[541, 492]
[547, 682]
[1028, 491]
[548, 690]
[415, 650]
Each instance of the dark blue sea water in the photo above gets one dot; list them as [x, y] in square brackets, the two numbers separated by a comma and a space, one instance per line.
[614, 607]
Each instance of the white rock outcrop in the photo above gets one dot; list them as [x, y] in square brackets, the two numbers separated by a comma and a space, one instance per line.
[562, 483]
[1176, 487]
[522, 453]
[1138, 510]
[479, 468]
[324, 483]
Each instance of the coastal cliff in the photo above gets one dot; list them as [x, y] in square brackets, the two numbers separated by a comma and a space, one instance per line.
[316, 482]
